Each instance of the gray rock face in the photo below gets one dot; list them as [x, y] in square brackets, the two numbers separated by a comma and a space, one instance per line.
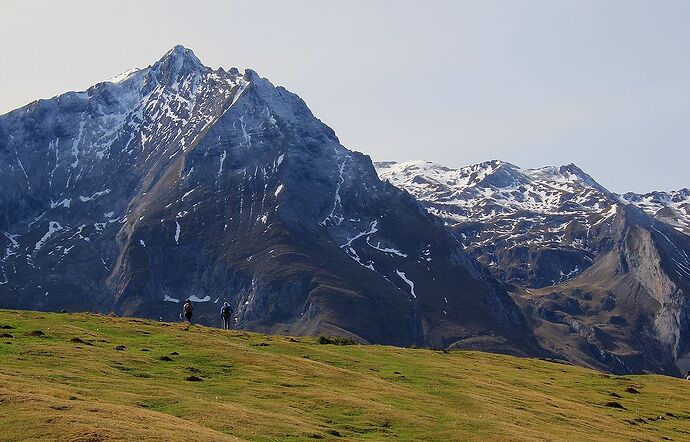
[632, 302]
[178, 181]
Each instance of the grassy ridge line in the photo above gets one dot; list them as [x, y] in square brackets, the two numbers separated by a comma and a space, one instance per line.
[73, 384]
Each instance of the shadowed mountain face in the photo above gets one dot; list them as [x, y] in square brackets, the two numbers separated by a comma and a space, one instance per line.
[177, 181]
[603, 279]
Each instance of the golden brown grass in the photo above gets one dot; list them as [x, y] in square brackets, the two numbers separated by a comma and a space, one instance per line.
[257, 387]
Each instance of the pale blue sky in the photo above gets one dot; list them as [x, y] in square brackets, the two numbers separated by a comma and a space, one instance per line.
[603, 84]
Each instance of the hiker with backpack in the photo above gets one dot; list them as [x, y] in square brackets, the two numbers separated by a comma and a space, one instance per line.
[187, 310]
[226, 313]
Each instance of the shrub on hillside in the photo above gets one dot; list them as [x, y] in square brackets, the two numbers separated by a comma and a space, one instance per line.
[337, 340]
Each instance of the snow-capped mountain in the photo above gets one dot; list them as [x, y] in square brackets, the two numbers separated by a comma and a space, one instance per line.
[532, 227]
[603, 279]
[179, 181]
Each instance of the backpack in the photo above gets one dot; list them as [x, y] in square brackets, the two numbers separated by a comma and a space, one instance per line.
[226, 312]
[188, 307]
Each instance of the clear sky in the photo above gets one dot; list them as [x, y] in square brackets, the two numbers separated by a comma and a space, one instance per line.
[604, 84]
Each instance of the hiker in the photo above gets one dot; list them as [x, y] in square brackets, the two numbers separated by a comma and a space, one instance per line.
[225, 313]
[187, 309]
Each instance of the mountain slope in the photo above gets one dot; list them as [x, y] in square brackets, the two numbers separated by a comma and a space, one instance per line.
[181, 181]
[629, 312]
[257, 387]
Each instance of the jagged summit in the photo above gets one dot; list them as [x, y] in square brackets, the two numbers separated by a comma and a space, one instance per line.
[176, 64]
[179, 52]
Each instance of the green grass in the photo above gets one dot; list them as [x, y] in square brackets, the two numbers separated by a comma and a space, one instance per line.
[264, 388]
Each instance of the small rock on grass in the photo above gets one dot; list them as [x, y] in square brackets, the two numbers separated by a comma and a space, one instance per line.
[165, 358]
[632, 390]
[120, 347]
[193, 379]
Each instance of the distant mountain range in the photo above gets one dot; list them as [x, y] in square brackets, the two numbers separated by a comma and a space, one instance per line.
[604, 278]
[179, 181]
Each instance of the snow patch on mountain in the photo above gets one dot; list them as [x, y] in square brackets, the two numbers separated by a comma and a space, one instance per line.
[408, 281]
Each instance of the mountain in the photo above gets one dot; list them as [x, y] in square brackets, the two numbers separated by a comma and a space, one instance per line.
[604, 279]
[531, 227]
[179, 181]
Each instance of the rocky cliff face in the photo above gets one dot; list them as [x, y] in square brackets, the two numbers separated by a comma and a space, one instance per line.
[629, 311]
[178, 181]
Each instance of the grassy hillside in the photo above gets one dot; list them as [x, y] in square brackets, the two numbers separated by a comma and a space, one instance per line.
[89, 377]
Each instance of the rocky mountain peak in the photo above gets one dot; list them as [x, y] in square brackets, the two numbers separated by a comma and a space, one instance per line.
[176, 64]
